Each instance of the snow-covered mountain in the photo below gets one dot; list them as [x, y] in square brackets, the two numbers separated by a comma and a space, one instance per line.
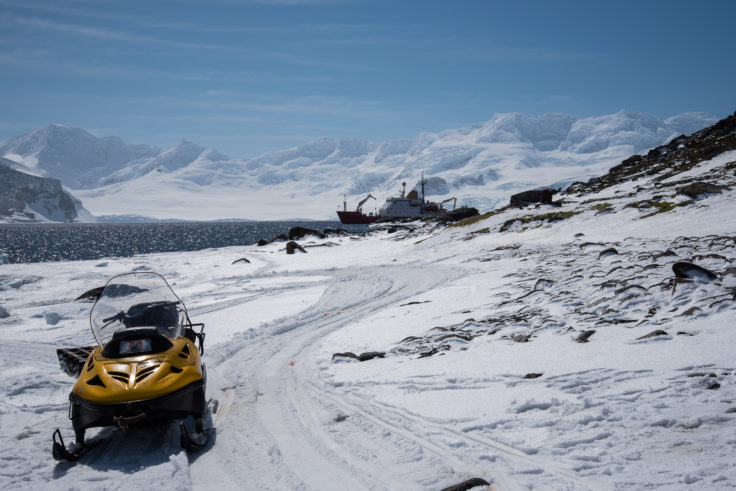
[481, 164]
[25, 197]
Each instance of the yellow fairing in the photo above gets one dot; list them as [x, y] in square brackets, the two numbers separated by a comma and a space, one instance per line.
[115, 380]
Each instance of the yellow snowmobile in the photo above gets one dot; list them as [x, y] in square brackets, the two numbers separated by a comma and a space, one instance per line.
[146, 366]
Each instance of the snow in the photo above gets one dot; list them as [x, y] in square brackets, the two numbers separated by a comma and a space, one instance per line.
[621, 411]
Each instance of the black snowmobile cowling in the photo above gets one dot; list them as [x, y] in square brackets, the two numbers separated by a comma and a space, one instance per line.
[147, 365]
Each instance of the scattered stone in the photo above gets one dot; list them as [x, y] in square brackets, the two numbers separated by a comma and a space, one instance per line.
[692, 271]
[340, 418]
[4, 314]
[347, 354]
[584, 336]
[241, 260]
[468, 484]
[530, 197]
[533, 375]
[521, 338]
[699, 189]
[608, 252]
[684, 333]
[301, 232]
[370, 355]
[691, 311]
[91, 295]
[732, 410]
[292, 246]
[654, 334]
[429, 353]
[414, 303]
[543, 284]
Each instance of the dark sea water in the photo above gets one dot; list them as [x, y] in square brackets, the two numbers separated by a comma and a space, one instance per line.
[31, 243]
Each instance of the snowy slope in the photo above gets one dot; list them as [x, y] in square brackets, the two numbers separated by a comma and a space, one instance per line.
[485, 372]
[481, 165]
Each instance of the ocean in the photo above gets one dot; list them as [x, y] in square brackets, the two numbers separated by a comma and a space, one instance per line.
[42, 242]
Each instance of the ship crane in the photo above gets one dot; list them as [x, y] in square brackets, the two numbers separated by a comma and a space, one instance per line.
[359, 208]
[454, 202]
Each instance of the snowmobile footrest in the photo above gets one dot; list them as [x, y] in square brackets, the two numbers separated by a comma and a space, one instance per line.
[60, 451]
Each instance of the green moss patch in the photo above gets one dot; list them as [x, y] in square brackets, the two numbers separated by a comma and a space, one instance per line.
[546, 217]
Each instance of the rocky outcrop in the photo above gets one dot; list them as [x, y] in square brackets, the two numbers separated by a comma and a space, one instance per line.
[30, 198]
[663, 162]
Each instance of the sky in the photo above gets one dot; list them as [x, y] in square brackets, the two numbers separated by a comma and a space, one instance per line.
[248, 77]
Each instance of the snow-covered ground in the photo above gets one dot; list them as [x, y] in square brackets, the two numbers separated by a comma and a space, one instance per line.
[482, 375]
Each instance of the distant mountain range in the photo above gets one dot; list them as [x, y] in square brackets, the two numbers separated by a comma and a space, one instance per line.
[481, 164]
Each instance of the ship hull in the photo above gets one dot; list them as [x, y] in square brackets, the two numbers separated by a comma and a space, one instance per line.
[356, 218]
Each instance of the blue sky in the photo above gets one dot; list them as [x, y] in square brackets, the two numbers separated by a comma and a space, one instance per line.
[246, 77]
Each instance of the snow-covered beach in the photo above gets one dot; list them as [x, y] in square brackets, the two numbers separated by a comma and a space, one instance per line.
[481, 372]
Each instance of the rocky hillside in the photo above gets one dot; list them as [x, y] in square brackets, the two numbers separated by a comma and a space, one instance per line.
[666, 161]
[24, 197]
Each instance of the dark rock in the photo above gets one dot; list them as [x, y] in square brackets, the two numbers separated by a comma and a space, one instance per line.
[533, 375]
[654, 334]
[584, 336]
[4, 314]
[698, 189]
[292, 246]
[370, 355]
[91, 295]
[732, 410]
[456, 215]
[468, 484]
[608, 252]
[533, 196]
[429, 353]
[341, 418]
[692, 271]
[691, 311]
[241, 260]
[301, 232]
[521, 338]
[347, 354]
[279, 238]
[262, 242]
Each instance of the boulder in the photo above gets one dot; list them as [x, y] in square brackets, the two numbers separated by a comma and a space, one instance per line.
[584, 336]
[533, 196]
[262, 242]
[241, 260]
[292, 246]
[91, 295]
[4, 314]
[467, 484]
[698, 189]
[692, 271]
[653, 334]
[301, 232]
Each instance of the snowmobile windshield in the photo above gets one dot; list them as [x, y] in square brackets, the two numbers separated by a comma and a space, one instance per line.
[137, 300]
